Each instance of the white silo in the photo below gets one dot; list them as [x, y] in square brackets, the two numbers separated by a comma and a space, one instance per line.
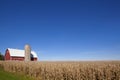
[27, 53]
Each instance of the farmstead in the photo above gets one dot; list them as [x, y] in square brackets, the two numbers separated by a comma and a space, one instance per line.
[20, 55]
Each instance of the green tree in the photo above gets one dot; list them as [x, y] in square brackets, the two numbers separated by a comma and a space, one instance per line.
[1, 56]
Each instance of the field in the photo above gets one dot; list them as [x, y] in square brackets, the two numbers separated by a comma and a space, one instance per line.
[12, 76]
[83, 70]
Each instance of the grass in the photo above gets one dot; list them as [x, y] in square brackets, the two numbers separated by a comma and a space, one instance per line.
[12, 76]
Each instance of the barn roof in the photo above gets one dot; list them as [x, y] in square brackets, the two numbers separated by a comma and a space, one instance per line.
[20, 53]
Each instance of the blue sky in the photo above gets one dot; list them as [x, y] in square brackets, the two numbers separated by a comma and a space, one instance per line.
[62, 30]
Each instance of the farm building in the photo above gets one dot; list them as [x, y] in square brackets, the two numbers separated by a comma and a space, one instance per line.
[19, 55]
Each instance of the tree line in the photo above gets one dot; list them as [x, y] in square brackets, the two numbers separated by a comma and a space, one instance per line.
[1, 56]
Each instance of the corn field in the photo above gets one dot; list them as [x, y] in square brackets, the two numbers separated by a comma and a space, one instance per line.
[83, 70]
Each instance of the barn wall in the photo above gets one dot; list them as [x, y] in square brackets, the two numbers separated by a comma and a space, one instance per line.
[22, 59]
[35, 59]
[7, 55]
[17, 58]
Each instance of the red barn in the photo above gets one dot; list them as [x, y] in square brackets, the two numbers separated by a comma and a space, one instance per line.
[19, 55]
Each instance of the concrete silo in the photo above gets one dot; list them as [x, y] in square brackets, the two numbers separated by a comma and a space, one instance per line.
[27, 53]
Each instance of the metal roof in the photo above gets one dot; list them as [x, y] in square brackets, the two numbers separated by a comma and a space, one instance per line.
[20, 53]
